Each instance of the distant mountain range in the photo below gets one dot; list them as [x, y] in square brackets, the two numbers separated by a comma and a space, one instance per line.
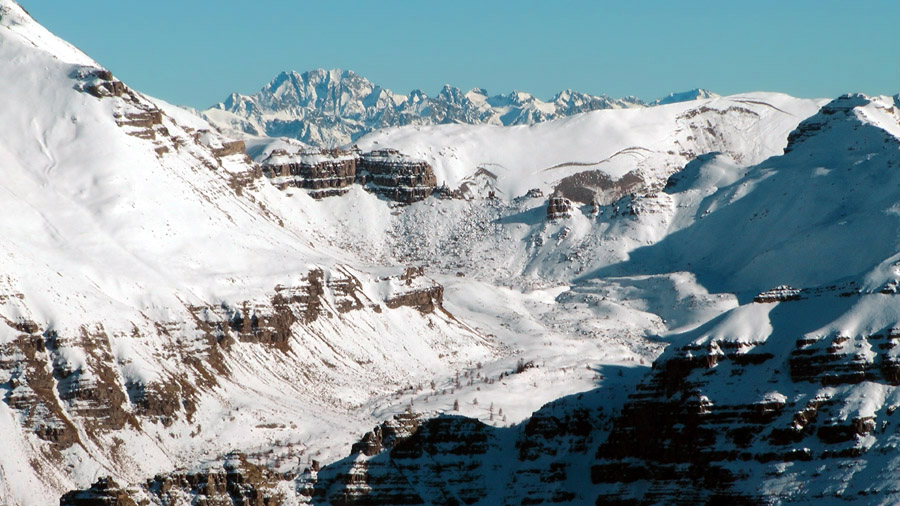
[336, 107]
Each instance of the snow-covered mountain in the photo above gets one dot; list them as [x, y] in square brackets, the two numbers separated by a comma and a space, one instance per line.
[684, 96]
[328, 108]
[785, 397]
[153, 291]
[182, 324]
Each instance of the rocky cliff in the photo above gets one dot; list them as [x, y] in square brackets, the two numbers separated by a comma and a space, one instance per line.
[325, 173]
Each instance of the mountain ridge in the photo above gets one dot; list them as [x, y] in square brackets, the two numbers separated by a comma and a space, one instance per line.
[332, 107]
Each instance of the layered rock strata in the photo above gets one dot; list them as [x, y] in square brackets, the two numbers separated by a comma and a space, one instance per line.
[324, 173]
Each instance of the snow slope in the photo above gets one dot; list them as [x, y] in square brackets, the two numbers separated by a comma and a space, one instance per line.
[163, 304]
[146, 269]
[785, 220]
[765, 401]
[127, 242]
[654, 141]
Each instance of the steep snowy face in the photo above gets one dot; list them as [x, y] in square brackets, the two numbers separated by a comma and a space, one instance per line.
[789, 219]
[23, 29]
[328, 108]
[100, 186]
[788, 398]
[155, 310]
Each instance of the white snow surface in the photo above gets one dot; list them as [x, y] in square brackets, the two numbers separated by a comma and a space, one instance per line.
[655, 141]
[105, 234]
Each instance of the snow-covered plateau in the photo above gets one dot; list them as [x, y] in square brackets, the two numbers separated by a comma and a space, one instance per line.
[686, 303]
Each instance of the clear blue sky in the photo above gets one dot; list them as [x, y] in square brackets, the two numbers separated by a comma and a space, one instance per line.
[195, 52]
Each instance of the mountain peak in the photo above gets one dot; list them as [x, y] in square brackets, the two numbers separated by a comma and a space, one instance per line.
[20, 24]
[685, 96]
[333, 107]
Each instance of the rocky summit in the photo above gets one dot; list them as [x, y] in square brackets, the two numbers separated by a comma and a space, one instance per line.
[331, 108]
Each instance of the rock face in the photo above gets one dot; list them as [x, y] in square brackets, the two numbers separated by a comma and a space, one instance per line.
[722, 414]
[70, 391]
[558, 208]
[596, 187]
[100, 83]
[326, 173]
[104, 492]
[396, 176]
[415, 291]
[457, 460]
[235, 482]
[322, 173]
[780, 293]
[679, 438]
[405, 449]
[831, 114]
[230, 148]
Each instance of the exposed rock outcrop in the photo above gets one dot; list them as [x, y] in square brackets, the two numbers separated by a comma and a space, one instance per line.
[324, 173]
[100, 82]
[780, 293]
[104, 492]
[558, 208]
[32, 390]
[594, 186]
[416, 291]
[230, 148]
[457, 460]
[106, 88]
[407, 462]
[718, 421]
[396, 176]
[233, 482]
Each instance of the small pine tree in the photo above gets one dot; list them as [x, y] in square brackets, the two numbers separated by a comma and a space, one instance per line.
[456, 405]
